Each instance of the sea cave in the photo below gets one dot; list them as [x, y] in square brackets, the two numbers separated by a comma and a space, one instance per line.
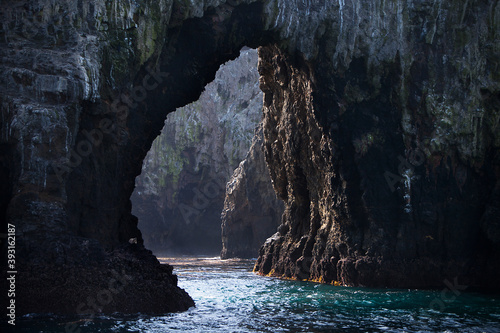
[377, 141]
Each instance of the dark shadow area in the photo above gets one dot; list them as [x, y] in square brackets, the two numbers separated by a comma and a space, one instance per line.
[5, 196]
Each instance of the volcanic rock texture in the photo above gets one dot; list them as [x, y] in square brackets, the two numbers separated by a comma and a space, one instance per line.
[381, 133]
[385, 148]
[85, 89]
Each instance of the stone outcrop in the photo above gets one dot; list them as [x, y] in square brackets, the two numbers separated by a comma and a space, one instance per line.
[385, 148]
[85, 89]
[180, 192]
[381, 135]
[252, 212]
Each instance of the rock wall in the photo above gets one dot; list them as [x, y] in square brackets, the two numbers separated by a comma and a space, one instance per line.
[381, 133]
[180, 192]
[385, 148]
[252, 212]
[85, 89]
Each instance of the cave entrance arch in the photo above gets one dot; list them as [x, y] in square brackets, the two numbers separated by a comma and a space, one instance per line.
[180, 193]
[377, 91]
[188, 61]
[72, 203]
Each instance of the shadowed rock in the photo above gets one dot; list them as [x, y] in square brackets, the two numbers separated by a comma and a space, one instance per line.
[252, 212]
[381, 135]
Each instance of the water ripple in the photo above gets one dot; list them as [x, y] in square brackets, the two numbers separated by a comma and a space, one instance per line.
[230, 298]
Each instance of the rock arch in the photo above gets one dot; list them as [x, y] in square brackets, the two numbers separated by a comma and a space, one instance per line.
[367, 126]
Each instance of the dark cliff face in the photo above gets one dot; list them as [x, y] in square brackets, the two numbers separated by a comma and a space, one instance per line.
[381, 133]
[252, 212]
[388, 168]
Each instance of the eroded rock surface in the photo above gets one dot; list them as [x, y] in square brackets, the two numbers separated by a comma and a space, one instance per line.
[387, 157]
[252, 212]
[85, 89]
[381, 134]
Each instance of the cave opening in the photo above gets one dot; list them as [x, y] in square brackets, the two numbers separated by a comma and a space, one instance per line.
[351, 95]
[181, 191]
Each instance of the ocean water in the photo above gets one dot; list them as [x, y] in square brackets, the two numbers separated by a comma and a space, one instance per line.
[230, 298]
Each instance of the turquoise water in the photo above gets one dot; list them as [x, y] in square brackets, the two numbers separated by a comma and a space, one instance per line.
[230, 298]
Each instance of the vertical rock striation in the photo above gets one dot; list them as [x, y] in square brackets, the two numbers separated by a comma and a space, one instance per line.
[85, 89]
[252, 212]
[383, 143]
